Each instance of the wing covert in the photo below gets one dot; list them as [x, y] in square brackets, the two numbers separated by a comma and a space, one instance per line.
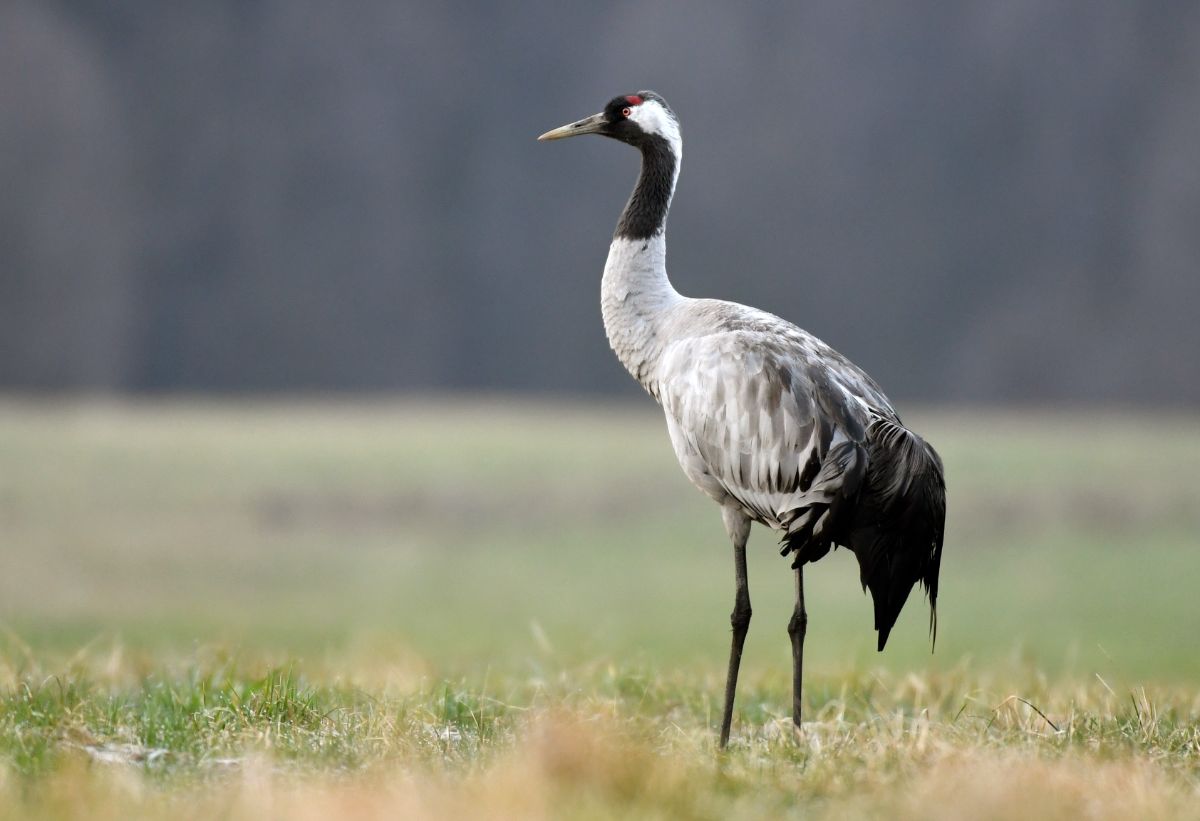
[757, 416]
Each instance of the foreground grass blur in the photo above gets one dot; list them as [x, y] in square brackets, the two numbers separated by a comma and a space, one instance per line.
[499, 608]
[120, 736]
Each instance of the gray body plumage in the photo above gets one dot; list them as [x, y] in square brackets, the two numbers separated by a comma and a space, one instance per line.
[750, 399]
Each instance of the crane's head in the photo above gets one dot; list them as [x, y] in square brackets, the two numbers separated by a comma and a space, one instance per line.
[636, 119]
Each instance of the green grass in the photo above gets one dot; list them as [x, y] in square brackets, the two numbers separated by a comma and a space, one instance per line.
[445, 608]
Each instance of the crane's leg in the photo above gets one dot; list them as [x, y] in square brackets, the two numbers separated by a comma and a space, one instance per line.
[797, 627]
[738, 527]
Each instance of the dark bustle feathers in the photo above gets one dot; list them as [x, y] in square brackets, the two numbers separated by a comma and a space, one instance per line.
[896, 526]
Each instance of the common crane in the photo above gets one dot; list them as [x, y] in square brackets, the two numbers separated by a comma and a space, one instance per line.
[770, 422]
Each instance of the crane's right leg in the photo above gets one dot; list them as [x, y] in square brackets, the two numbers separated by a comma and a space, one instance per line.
[797, 628]
[738, 527]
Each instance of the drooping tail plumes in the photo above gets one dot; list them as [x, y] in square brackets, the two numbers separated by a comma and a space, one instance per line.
[896, 533]
[894, 519]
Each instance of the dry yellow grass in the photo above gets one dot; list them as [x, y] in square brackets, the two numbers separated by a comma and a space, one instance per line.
[570, 765]
[233, 738]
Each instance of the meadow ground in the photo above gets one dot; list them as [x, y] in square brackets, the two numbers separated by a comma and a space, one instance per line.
[504, 609]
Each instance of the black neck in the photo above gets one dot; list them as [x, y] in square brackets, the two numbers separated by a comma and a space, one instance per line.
[646, 212]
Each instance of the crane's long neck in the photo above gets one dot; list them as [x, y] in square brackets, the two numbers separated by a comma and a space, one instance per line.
[635, 294]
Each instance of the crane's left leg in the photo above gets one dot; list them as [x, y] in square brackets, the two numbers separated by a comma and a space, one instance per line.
[797, 627]
[738, 527]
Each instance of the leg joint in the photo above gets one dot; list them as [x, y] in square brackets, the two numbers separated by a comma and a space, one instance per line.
[798, 623]
[740, 617]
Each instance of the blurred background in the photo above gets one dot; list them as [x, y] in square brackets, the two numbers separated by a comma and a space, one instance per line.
[975, 202]
[259, 262]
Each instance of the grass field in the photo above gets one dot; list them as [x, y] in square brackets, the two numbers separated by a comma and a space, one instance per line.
[500, 609]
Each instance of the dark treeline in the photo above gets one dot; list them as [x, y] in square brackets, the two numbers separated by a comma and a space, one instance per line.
[977, 201]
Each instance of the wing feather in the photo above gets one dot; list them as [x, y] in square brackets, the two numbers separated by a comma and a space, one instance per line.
[753, 417]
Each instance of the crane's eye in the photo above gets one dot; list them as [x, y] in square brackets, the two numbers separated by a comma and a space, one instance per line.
[625, 112]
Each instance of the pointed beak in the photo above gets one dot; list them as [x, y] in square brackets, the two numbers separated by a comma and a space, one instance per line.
[588, 125]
